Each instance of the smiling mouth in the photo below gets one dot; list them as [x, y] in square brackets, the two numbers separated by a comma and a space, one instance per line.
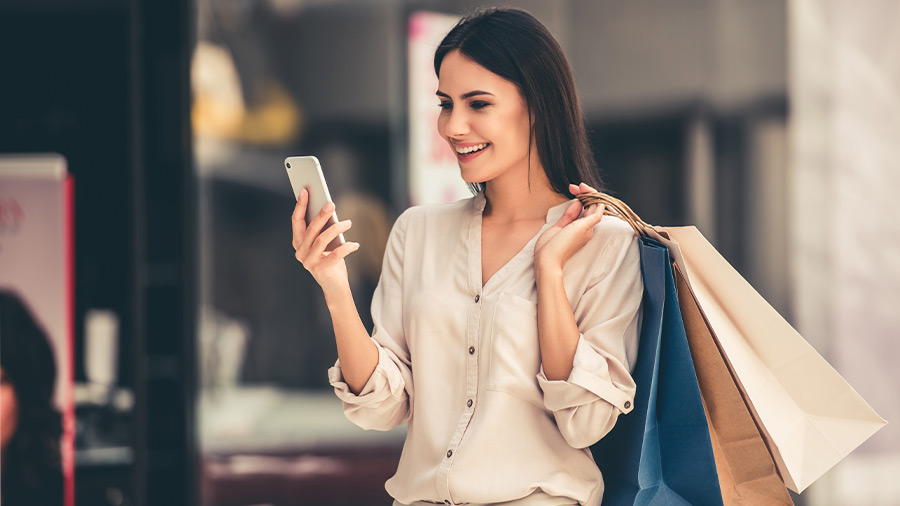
[472, 149]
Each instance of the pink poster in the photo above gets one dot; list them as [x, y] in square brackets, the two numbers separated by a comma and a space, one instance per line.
[36, 273]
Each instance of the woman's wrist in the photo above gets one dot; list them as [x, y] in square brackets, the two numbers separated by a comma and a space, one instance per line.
[337, 296]
[546, 270]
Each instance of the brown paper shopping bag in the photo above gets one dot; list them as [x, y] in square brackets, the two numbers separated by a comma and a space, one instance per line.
[747, 472]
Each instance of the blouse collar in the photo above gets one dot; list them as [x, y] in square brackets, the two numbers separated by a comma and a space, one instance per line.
[553, 214]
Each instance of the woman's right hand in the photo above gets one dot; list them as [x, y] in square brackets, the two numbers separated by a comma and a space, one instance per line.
[328, 268]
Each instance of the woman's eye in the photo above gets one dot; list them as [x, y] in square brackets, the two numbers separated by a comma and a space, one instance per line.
[479, 105]
[445, 106]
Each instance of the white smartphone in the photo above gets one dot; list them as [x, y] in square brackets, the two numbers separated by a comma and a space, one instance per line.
[305, 171]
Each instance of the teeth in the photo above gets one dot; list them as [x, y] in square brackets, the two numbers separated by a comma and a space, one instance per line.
[471, 149]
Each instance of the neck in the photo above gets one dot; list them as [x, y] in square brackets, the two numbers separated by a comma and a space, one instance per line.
[509, 199]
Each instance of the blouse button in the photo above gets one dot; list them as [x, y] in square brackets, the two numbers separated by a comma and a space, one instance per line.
[471, 350]
[477, 298]
[449, 453]
[627, 404]
[469, 403]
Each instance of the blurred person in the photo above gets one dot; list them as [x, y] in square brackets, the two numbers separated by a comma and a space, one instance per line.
[506, 324]
[31, 425]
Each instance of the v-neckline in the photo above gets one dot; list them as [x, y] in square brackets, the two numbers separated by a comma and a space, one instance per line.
[476, 270]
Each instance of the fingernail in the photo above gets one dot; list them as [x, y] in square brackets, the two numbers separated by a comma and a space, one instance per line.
[345, 223]
[329, 207]
[355, 245]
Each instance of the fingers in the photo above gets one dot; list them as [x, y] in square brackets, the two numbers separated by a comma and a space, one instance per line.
[324, 239]
[298, 218]
[316, 224]
[585, 188]
[570, 214]
[594, 209]
[338, 253]
[594, 214]
[580, 188]
[316, 251]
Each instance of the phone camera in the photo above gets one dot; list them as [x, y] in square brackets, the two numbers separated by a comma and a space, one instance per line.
[289, 165]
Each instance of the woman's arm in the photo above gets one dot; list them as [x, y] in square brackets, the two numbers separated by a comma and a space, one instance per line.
[357, 353]
[596, 385]
[557, 329]
[584, 375]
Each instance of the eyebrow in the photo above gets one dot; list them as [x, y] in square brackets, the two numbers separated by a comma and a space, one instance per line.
[465, 95]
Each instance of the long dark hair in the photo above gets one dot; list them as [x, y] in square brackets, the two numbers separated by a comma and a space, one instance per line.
[517, 47]
[32, 472]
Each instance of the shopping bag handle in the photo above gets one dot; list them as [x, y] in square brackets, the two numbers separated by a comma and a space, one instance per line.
[617, 208]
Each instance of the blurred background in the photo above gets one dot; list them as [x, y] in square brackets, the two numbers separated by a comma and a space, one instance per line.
[771, 125]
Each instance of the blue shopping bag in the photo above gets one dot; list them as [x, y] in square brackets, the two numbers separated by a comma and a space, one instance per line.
[660, 453]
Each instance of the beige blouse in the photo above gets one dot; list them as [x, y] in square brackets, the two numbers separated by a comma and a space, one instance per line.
[460, 362]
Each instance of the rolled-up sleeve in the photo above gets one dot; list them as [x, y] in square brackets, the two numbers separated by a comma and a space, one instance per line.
[599, 388]
[385, 400]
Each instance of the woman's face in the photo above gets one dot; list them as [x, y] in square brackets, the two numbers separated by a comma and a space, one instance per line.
[9, 409]
[485, 120]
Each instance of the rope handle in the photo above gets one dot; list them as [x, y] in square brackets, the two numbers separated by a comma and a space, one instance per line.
[615, 207]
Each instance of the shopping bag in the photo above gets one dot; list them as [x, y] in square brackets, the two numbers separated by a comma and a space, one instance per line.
[660, 454]
[747, 472]
[809, 415]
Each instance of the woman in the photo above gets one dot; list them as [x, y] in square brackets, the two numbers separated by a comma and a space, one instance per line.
[505, 325]
[30, 425]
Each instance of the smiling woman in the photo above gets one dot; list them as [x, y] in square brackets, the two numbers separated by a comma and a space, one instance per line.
[516, 55]
[492, 127]
[506, 324]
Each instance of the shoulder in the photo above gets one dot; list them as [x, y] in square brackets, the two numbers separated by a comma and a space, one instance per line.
[428, 220]
[612, 256]
[613, 234]
[612, 245]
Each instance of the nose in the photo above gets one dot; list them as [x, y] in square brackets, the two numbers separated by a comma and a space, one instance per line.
[455, 123]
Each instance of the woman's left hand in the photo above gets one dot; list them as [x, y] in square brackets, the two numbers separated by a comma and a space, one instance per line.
[558, 243]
